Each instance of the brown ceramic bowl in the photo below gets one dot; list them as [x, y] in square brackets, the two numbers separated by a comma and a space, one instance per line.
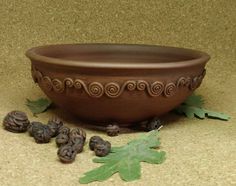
[113, 82]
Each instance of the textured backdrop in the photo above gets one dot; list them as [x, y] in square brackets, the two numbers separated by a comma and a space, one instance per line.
[199, 152]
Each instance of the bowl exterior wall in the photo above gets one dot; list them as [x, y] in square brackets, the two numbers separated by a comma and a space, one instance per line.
[125, 96]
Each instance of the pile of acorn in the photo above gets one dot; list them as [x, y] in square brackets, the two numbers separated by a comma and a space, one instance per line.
[70, 142]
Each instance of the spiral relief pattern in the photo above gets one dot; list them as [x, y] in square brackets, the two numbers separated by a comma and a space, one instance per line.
[57, 85]
[112, 89]
[115, 89]
[95, 89]
[194, 83]
[68, 82]
[156, 88]
[47, 83]
[131, 85]
[36, 75]
[188, 81]
[170, 90]
[141, 85]
[181, 82]
[78, 84]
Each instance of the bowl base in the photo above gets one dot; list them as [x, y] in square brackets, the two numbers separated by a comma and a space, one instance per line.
[113, 128]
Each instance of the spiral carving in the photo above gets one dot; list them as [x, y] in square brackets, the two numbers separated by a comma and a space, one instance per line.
[188, 81]
[199, 79]
[57, 85]
[170, 90]
[36, 76]
[47, 83]
[156, 88]
[113, 89]
[68, 82]
[194, 83]
[95, 89]
[181, 82]
[78, 84]
[131, 85]
[141, 85]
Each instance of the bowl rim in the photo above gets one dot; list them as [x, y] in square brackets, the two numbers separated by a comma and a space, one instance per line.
[202, 59]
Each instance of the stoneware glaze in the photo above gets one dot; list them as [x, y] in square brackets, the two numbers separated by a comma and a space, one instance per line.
[122, 83]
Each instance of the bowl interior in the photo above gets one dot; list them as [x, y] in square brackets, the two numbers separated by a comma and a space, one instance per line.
[109, 53]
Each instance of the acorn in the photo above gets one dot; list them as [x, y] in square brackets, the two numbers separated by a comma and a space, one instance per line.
[66, 154]
[77, 143]
[153, 124]
[55, 124]
[62, 139]
[112, 129]
[42, 135]
[94, 140]
[102, 149]
[34, 126]
[78, 132]
[64, 130]
[16, 121]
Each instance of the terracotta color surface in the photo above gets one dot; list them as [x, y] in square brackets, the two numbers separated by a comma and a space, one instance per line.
[105, 83]
[199, 152]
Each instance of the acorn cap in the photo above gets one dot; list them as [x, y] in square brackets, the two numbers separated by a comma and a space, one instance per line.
[16, 121]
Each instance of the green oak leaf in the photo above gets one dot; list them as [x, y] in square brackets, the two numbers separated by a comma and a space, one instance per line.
[126, 159]
[38, 106]
[192, 107]
[194, 100]
[217, 115]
